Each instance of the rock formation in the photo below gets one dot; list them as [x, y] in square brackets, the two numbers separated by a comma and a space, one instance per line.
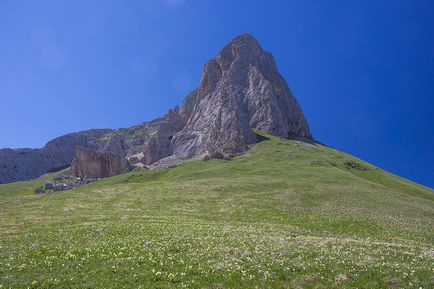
[151, 141]
[240, 90]
[96, 164]
[26, 164]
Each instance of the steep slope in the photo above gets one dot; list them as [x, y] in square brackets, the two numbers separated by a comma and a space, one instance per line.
[287, 214]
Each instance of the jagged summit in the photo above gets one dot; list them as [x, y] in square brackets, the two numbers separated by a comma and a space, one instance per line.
[240, 90]
[244, 47]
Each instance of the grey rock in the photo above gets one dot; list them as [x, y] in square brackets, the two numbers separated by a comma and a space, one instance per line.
[88, 180]
[136, 158]
[26, 164]
[240, 89]
[355, 165]
[49, 185]
[159, 145]
[96, 164]
[215, 155]
[61, 187]
[167, 162]
[63, 177]
[71, 184]
[39, 190]
[115, 145]
[151, 141]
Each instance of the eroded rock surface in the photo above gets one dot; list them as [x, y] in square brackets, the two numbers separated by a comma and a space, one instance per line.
[240, 89]
[97, 164]
[167, 162]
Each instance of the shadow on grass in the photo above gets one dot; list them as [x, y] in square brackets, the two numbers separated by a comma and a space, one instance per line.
[261, 137]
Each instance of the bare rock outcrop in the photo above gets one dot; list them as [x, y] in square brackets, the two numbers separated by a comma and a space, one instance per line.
[167, 162]
[159, 145]
[97, 164]
[25, 164]
[151, 141]
[240, 89]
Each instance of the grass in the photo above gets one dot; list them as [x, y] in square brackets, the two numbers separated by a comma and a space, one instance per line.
[286, 214]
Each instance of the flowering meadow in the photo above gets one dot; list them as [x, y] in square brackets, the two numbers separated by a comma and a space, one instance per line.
[284, 215]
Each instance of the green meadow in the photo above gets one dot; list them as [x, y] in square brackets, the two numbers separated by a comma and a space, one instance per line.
[284, 215]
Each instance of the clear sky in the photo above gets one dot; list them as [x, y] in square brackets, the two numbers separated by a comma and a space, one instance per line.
[362, 70]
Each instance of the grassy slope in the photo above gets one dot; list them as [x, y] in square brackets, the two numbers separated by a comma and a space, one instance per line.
[284, 215]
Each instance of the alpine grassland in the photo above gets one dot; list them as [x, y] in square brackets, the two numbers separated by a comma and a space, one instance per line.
[286, 214]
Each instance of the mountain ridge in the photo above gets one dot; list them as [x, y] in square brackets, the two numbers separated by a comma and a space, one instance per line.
[240, 90]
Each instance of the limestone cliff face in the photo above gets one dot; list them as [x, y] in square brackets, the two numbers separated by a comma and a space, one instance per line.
[96, 164]
[240, 89]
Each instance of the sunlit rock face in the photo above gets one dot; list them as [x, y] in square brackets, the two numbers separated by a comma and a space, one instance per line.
[240, 89]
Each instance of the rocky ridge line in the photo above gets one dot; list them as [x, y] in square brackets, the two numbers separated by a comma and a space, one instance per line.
[240, 90]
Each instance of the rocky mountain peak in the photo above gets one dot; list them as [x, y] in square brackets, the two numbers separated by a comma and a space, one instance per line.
[240, 89]
[243, 48]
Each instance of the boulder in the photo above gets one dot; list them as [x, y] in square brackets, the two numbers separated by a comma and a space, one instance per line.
[215, 155]
[39, 190]
[167, 162]
[59, 187]
[49, 185]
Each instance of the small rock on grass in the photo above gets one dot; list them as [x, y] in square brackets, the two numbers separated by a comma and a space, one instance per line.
[49, 185]
[39, 190]
[392, 282]
[343, 277]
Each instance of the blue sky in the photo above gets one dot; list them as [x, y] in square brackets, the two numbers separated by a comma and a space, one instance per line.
[363, 71]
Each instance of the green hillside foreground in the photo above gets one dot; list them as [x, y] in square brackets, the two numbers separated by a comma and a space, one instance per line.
[285, 215]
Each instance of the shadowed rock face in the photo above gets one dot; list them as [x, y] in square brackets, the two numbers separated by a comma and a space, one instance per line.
[159, 145]
[150, 141]
[240, 89]
[96, 164]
